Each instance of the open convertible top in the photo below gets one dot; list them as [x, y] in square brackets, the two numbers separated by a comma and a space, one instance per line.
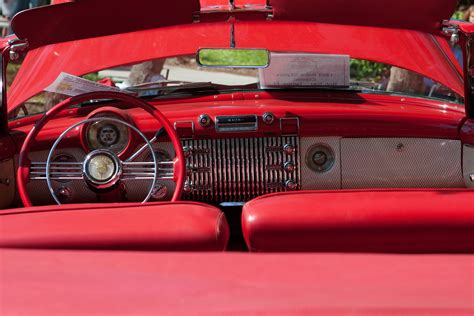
[65, 21]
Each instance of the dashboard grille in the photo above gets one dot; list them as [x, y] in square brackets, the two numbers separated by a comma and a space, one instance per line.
[237, 170]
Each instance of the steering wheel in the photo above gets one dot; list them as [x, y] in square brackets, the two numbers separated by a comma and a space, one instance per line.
[112, 169]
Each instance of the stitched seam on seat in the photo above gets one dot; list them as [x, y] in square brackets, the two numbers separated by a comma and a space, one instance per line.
[102, 207]
[219, 220]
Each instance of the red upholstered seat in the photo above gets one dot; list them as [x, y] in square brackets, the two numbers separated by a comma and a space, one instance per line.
[423, 221]
[155, 226]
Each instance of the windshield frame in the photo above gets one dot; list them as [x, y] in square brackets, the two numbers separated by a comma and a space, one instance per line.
[43, 65]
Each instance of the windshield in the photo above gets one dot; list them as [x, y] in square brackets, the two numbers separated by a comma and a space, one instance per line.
[179, 75]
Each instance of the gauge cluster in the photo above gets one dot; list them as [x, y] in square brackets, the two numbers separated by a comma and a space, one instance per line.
[106, 134]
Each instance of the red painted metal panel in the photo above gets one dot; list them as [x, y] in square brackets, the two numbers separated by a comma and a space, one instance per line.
[323, 114]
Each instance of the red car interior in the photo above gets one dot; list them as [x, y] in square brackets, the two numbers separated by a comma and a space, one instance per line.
[181, 226]
[335, 178]
[423, 221]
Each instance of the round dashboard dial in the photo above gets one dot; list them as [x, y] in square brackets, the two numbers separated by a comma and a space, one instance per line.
[107, 135]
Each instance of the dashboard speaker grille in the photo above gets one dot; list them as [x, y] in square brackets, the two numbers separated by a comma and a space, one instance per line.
[401, 163]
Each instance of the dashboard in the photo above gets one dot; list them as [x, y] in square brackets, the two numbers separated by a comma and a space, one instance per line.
[235, 158]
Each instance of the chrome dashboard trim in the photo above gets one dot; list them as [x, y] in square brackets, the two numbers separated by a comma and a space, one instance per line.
[235, 170]
[236, 123]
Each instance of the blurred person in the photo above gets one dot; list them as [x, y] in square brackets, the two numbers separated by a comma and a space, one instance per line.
[146, 72]
[469, 14]
[11, 7]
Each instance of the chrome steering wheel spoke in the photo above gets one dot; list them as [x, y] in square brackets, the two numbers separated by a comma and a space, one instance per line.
[49, 170]
[59, 171]
[145, 170]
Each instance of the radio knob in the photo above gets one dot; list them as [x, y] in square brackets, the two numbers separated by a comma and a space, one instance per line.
[289, 149]
[187, 187]
[204, 120]
[268, 118]
[291, 185]
[289, 167]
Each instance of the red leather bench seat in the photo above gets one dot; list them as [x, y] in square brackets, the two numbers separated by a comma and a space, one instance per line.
[409, 221]
[155, 226]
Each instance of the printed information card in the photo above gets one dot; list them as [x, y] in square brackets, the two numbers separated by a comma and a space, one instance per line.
[306, 70]
[72, 86]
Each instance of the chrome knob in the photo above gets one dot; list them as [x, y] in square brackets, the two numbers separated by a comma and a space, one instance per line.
[289, 149]
[204, 120]
[471, 177]
[291, 185]
[268, 118]
[64, 193]
[159, 191]
[187, 151]
[187, 187]
[289, 167]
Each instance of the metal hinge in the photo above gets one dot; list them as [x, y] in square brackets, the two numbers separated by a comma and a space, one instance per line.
[17, 47]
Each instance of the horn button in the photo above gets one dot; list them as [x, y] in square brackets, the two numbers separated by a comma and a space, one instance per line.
[102, 169]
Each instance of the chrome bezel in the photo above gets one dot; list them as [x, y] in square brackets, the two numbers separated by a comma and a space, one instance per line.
[268, 118]
[111, 181]
[208, 120]
[328, 151]
[236, 127]
[92, 129]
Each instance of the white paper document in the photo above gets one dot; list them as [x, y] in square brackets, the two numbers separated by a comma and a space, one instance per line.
[306, 70]
[70, 85]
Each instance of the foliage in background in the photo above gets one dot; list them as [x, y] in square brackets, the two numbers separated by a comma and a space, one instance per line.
[92, 76]
[12, 70]
[458, 15]
[364, 70]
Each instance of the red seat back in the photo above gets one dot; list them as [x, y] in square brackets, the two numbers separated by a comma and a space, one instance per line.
[154, 226]
[423, 221]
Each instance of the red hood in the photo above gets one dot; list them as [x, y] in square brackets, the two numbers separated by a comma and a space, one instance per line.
[66, 21]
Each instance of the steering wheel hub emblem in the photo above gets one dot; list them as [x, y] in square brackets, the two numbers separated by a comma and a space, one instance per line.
[102, 168]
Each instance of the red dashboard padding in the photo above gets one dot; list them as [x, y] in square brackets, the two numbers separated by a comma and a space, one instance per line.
[405, 221]
[155, 226]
